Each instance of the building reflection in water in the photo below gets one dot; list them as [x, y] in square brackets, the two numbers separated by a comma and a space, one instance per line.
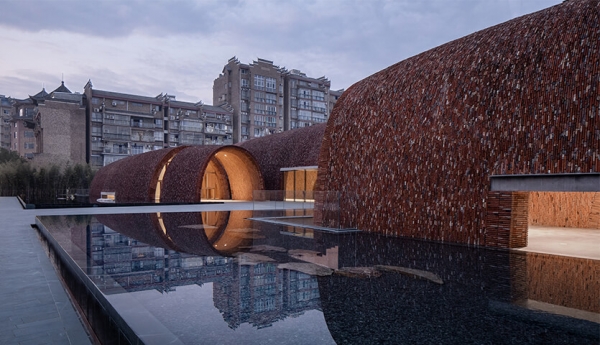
[421, 290]
[197, 248]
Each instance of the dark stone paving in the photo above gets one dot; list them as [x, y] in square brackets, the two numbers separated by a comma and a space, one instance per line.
[34, 307]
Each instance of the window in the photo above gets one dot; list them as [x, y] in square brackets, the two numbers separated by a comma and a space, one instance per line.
[191, 125]
[244, 71]
[135, 104]
[245, 83]
[28, 134]
[135, 149]
[318, 95]
[259, 108]
[95, 100]
[29, 145]
[259, 81]
[259, 96]
[271, 98]
[304, 93]
[271, 84]
[271, 110]
[245, 94]
[304, 115]
[259, 120]
[244, 130]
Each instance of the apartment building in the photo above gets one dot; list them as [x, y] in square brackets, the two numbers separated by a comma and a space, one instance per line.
[267, 99]
[121, 124]
[6, 113]
[306, 100]
[255, 94]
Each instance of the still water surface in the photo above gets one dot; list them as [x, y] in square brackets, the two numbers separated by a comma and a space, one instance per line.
[219, 278]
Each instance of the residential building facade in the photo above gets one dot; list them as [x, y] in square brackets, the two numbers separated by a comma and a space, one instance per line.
[268, 99]
[6, 113]
[305, 100]
[255, 93]
[22, 138]
[121, 124]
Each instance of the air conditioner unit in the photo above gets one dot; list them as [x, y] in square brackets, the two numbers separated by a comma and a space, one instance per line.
[96, 110]
[114, 103]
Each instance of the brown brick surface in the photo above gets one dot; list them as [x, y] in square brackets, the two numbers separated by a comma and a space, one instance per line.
[411, 148]
[562, 209]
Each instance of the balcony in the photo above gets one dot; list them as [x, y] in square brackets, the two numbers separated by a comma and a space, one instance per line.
[116, 122]
[190, 128]
[215, 130]
[117, 150]
[97, 146]
[191, 141]
[143, 138]
[114, 136]
[142, 124]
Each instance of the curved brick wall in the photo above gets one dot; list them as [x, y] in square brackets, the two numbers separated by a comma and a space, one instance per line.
[186, 231]
[295, 148]
[133, 179]
[143, 227]
[411, 148]
[183, 178]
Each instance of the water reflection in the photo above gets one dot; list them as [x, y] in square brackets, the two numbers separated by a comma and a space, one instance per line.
[369, 288]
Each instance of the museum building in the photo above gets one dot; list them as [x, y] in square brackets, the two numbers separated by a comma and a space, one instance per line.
[470, 142]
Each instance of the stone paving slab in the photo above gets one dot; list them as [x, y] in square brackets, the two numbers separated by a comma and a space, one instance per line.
[34, 307]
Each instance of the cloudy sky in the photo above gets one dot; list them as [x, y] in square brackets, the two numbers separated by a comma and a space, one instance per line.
[179, 47]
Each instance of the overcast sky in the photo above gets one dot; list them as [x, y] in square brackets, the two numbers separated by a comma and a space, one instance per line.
[147, 47]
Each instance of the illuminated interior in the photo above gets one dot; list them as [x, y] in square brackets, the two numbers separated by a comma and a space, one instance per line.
[160, 179]
[237, 234]
[299, 183]
[231, 174]
[215, 183]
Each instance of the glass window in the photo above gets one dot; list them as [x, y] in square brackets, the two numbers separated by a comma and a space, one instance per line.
[259, 81]
[271, 83]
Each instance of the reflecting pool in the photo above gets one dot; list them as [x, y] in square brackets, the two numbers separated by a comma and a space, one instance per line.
[220, 278]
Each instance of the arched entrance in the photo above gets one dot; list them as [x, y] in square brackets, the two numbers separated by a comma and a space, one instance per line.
[230, 174]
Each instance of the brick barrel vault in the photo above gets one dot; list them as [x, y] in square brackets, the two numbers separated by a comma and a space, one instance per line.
[411, 148]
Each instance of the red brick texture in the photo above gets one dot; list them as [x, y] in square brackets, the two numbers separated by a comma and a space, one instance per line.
[133, 179]
[411, 148]
[294, 148]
